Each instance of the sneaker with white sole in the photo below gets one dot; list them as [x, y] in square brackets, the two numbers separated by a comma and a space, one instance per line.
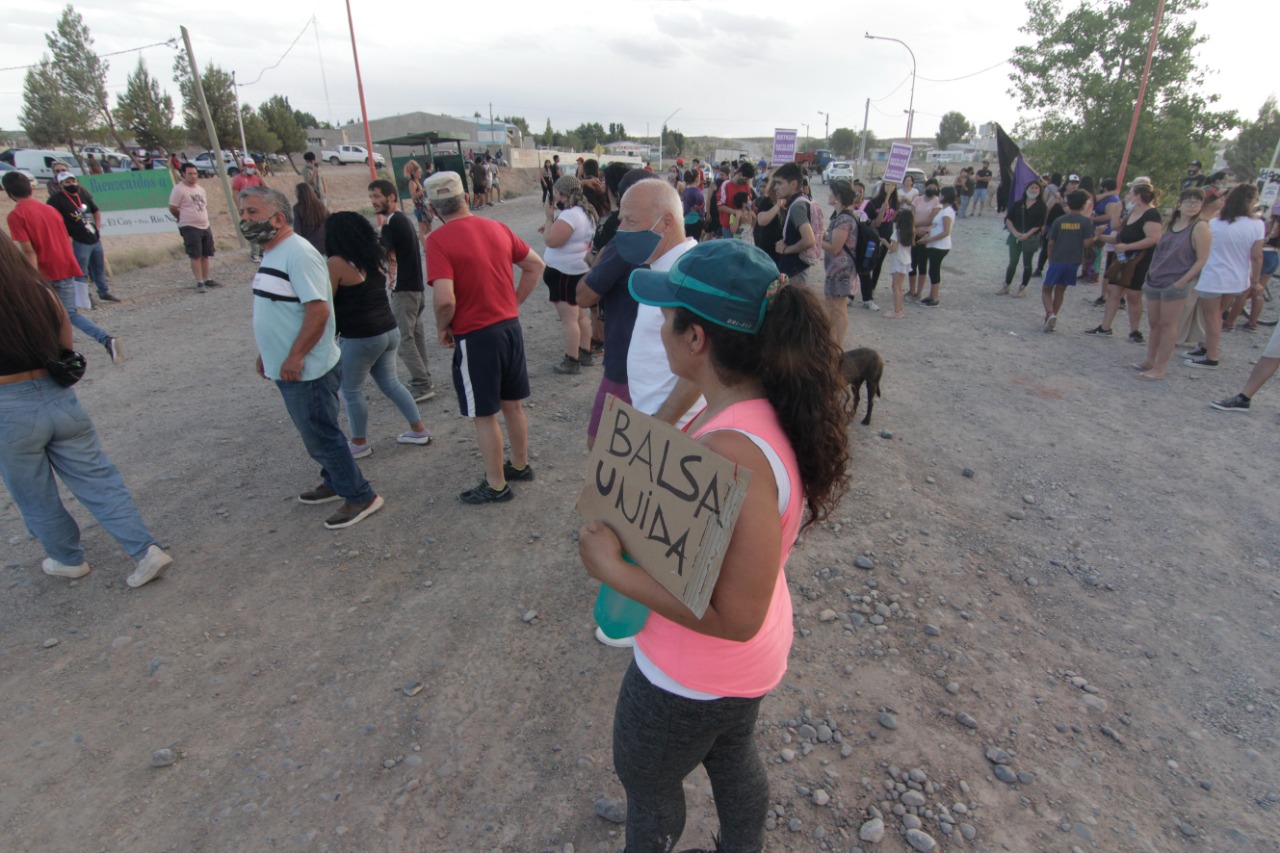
[113, 349]
[870, 305]
[1205, 363]
[423, 396]
[1050, 322]
[349, 514]
[623, 643]
[321, 494]
[53, 568]
[412, 437]
[149, 567]
[359, 451]
[1238, 403]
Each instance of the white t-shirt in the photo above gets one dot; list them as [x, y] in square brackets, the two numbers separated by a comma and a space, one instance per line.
[939, 225]
[902, 254]
[908, 195]
[649, 376]
[1228, 267]
[571, 258]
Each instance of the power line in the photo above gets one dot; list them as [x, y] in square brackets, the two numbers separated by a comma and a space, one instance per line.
[895, 89]
[282, 56]
[966, 76]
[173, 42]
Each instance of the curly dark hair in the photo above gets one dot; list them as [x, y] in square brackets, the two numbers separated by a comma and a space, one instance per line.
[797, 360]
[349, 236]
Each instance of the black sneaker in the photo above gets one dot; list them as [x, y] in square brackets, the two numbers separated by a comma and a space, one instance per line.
[568, 365]
[929, 303]
[1136, 337]
[1098, 330]
[212, 283]
[321, 494]
[113, 349]
[511, 472]
[349, 514]
[1202, 363]
[1099, 302]
[1038, 274]
[110, 297]
[485, 494]
[1238, 403]
[1198, 352]
[584, 357]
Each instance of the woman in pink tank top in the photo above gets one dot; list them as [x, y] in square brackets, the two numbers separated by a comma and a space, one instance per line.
[764, 356]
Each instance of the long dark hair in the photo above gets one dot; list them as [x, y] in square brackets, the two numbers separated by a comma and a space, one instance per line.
[948, 196]
[29, 320]
[349, 236]
[797, 360]
[905, 226]
[882, 196]
[1239, 202]
[311, 211]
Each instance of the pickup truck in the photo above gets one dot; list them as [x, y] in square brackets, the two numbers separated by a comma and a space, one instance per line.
[344, 154]
[815, 161]
[102, 154]
[207, 167]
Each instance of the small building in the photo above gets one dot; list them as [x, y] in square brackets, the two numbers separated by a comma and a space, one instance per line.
[477, 133]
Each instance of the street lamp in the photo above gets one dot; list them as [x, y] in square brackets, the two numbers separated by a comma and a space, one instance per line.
[662, 135]
[911, 103]
[826, 141]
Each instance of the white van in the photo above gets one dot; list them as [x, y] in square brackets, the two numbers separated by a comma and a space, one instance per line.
[39, 162]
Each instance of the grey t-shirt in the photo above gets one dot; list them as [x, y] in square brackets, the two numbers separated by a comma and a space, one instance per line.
[1068, 233]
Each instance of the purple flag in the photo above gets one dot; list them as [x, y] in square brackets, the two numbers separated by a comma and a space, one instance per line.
[1023, 175]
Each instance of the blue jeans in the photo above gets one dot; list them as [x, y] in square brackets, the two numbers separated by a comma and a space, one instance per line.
[66, 290]
[376, 357]
[313, 406]
[93, 263]
[44, 430]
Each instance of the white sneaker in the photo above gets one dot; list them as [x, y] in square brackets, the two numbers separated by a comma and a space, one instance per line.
[624, 643]
[55, 569]
[870, 305]
[150, 566]
[1050, 322]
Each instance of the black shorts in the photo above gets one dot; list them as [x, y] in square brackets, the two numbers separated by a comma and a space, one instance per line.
[563, 286]
[919, 258]
[489, 369]
[197, 241]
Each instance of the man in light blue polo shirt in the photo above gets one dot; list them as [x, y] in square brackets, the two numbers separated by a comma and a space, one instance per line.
[293, 325]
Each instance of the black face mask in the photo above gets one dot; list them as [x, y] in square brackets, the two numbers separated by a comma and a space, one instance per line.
[559, 205]
[930, 192]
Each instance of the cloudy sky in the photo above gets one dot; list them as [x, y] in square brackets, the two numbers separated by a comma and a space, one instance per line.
[737, 68]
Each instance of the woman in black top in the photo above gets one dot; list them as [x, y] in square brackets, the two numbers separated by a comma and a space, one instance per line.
[1025, 222]
[43, 429]
[1135, 242]
[767, 230]
[881, 211]
[309, 216]
[367, 332]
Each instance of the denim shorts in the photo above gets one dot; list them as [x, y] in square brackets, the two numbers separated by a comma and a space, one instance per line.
[1165, 294]
[1270, 262]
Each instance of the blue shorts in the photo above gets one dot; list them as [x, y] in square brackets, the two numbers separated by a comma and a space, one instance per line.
[489, 369]
[1057, 275]
[1270, 262]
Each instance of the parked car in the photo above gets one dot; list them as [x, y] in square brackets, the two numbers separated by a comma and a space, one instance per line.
[109, 156]
[207, 167]
[39, 162]
[344, 154]
[837, 169]
[6, 167]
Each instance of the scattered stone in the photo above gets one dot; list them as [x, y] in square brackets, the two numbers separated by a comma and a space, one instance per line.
[795, 824]
[921, 841]
[821, 797]
[932, 630]
[1206, 784]
[864, 562]
[884, 433]
[806, 732]
[996, 755]
[872, 831]
[1016, 514]
[910, 821]
[846, 750]
[1029, 499]
[1094, 703]
[788, 755]
[1113, 734]
[912, 798]
[389, 763]
[1004, 774]
[824, 733]
[968, 831]
[1187, 829]
[50, 643]
[1026, 777]
[968, 472]
[413, 688]
[614, 811]
[827, 615]
[889, 721]
[965, 720]
[930, 479]
[529, 617]
[162, 758]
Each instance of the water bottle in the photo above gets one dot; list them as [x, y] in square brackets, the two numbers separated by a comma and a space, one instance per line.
[1122, 256]
[618, 616]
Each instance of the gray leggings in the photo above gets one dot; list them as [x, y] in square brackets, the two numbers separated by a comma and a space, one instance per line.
[659, 738]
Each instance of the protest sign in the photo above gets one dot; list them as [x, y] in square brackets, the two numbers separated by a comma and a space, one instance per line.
[672, 502]
[1269, 190]
[899, 159]
[784, 146]
[133, 202]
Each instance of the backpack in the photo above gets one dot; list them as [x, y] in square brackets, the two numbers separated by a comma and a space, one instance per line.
[868, 242]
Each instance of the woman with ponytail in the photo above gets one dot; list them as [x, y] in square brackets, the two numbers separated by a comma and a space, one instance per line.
[571, 223]
[763, 354]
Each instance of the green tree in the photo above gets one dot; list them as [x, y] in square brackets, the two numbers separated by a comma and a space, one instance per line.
[81, 72]
[672, 142]
[589, 133]
[1253, 146]
[1080, 77]
[617, 133]
[518, 121]
[219, 93]
[844, 142]
[281, 120]
[256, 133]
[547, 135]
[954, 127]
[306, 120]
[49, 116]
[147, 113]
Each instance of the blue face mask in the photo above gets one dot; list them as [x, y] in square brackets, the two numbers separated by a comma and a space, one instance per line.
[636, 247]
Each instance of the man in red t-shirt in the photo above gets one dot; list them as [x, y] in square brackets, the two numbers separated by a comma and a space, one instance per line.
[41, 235]
[741, 183]
[477, 308]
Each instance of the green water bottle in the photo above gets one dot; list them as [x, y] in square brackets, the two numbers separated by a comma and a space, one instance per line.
[618, 616]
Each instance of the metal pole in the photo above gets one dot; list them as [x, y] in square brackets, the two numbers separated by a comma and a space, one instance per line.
[364, 111]
[662, 135]
[244, 146]
[911, 103]
[232, 208]
[862, 153]
[315, 26]
[1142, 91]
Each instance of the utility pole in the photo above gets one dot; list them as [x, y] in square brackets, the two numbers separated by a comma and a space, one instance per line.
[315, 26]
[1142, 91]
[235, 90]
[491, 120]
[232, 208]
[364, 112]
[826, 132]
[862, 154]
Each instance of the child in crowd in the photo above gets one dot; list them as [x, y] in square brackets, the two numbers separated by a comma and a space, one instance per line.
[742, 220]
[904, 237]
[1070, 236]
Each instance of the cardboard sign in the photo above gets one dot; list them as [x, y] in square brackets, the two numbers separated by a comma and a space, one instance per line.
[672, 502]
[1269, 190]
[784, 146]
[899, 159]
[133, 202]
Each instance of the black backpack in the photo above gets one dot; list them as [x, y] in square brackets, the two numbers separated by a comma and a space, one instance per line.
[864, 252]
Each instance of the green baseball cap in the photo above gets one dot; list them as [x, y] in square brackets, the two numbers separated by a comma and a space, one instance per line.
[727, 282]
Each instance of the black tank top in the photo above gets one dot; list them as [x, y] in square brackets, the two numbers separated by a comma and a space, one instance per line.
[363, 310]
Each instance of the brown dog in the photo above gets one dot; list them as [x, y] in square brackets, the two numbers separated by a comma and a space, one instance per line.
[860, 366]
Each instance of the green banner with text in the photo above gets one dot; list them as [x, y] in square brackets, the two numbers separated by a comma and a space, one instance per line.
[133, 202]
